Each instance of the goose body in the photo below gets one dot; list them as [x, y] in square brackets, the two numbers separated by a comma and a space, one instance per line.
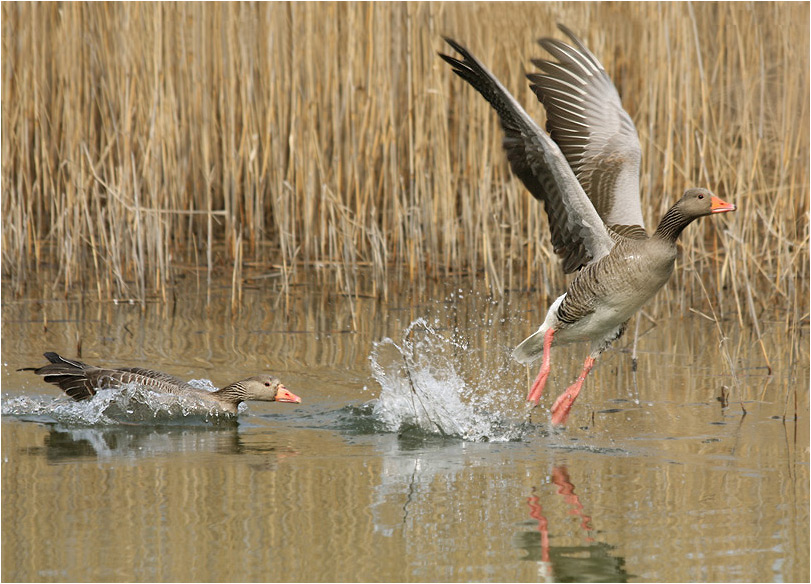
[586, 173]
[81, 381]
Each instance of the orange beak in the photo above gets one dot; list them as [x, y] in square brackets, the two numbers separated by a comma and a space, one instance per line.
[719, 206]
[284, 395]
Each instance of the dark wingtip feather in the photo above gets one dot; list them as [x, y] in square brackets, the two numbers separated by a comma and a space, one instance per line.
[70, 376]
[78, 388]
[459, 65]
[452, 61]
[456, 46]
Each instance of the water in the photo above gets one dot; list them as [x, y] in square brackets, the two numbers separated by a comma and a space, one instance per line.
[413, 455]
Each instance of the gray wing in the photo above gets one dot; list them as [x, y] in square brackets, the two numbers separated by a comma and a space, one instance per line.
[80, 380]
[586, 119]
[578, 233]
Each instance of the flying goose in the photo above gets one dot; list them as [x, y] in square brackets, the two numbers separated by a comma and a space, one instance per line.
[80, 381]
[586, 173]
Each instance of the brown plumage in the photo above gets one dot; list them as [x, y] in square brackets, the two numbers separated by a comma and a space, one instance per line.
[81, 381]
[586, 173]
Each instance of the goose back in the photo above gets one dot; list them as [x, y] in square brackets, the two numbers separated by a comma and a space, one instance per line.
[618, 284]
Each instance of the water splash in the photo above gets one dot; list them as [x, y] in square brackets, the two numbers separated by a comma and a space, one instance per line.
[433, 382]
[132, 404]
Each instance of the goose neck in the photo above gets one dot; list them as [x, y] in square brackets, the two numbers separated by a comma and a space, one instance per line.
[234, 393]
[672, 224]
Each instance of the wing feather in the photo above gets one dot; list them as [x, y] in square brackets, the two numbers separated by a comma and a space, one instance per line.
[578, 234]
[81, 381]
[586, 119]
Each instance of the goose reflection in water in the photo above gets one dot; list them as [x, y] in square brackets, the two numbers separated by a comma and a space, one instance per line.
[63, 443]
[591, 562]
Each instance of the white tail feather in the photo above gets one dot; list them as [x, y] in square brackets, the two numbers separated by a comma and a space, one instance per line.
[532, 347]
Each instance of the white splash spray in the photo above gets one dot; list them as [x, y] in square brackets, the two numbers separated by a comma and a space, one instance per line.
[422, 386]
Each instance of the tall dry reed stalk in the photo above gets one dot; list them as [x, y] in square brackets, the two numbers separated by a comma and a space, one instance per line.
[142, 141]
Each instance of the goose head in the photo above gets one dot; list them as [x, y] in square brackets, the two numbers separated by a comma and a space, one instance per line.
[694, 203]
[699, 202]
[261, 388]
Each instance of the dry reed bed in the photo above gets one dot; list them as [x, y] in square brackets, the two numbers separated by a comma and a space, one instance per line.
[142, 140]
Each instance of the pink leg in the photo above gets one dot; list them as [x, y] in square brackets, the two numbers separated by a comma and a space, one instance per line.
[536, 390]
[560, 410]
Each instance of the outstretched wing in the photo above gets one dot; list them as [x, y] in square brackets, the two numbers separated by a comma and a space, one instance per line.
[578, 233]
[80, 380]
[69, 375]
[586, 119]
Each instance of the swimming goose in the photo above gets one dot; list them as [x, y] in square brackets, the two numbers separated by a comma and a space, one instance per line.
[80, 381]
[586, 173]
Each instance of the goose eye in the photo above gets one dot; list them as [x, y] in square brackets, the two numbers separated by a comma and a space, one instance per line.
[700, 195]
[267, 384]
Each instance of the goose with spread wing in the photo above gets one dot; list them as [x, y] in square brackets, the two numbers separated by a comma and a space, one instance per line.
[81, 381]
[586, 173]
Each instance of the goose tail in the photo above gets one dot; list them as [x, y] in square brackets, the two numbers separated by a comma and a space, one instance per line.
[531, 348]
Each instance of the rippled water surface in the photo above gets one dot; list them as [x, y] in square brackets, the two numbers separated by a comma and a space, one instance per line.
[413, 455]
